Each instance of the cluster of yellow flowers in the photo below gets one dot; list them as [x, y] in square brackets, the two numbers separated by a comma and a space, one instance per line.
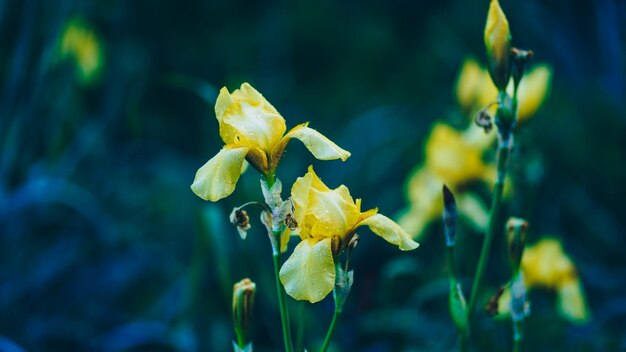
[546, 265]
[79, 43]
[457, 158]
[326, 219]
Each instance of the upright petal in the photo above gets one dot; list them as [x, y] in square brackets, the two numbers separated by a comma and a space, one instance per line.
[335, 212]
[533, 90]
[309, 273]
[300, 197]
[217, 178]
[389, 231]
[321, 147]
[247, 119]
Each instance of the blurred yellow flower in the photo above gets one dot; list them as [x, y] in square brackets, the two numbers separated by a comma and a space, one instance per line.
[81, 44]
[453, 158]
[475, 90]
[545, 265]
[327, 219]
[253, 130]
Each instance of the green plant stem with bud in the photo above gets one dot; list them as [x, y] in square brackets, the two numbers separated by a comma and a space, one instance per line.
[517, 335]
[282, 301]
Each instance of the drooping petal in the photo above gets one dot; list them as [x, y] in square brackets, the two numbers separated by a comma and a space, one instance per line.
[309, 273]
[571, 302]
[389, 231]
[217, 178]
[247, 119]
[468, 84]
[321, 147]
[533, 90]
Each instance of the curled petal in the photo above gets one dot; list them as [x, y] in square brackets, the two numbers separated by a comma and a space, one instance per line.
[321, 147]
[309, 273]
[389, 231]
[217, 178]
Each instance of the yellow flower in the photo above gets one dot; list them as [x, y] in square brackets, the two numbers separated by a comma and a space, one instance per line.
[545, 265]
[327, 220]
[475, 90]
[452, 158]
[498, 44]
[533, 90]
[81, 44]
[253, 130]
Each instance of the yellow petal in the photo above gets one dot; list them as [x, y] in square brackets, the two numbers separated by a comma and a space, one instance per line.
[467, 84]
[321, 147]
[246, 118]
[217, 178]
[450, 158]
[300, 198]
[473, 209]
[334, 212]
[389, 231]
[309, 273]
[571, 302]
[284, 240]
[414, 222]
[532, 91]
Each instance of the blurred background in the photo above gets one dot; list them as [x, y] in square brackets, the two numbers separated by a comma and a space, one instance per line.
[106, 112]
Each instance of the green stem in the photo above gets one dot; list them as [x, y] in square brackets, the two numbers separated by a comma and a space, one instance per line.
[301, 327]
[518, 335]
[463, 342]
[282, 303]
[331, 328]
[494, 212]
[241, 338]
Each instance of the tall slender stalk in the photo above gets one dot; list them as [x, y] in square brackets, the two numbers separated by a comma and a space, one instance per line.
[282, 303]
[494, 213]
[331, 328]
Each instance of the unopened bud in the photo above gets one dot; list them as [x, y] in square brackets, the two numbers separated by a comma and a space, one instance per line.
[241, 220]
[353, 242]
[458, 307]
[449, 216]
[520, 58]
[516, 239]
[243, 299]
[498, 45]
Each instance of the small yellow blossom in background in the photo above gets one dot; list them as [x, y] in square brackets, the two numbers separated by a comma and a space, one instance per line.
[253, 130]
[475, 90]
[453, 158]
[327, 219]
[80, 44]
[545, 265]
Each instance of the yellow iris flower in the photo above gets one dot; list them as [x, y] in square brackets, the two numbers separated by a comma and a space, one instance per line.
[546, 265]
[327, 219]
[80, 43]
[253, 130]
[452, 158]
[475, 90]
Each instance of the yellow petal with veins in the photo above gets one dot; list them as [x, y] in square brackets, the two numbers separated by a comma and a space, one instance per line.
[389, 231]
[335, 212]
[217, 178]
[246, 118]
[309, 273]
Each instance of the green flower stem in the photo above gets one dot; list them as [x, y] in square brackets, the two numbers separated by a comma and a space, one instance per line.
[331, 328]
[494, 214]
[518, 335]
[463, 342]
[282, 303]
[241, 338]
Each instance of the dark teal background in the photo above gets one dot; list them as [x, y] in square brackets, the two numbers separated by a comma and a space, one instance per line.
[103, 247]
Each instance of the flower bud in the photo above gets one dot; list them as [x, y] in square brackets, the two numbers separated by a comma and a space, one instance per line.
[516, 239]
[449, 216]
[458, 307]
[243, 299]
[498, 45]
